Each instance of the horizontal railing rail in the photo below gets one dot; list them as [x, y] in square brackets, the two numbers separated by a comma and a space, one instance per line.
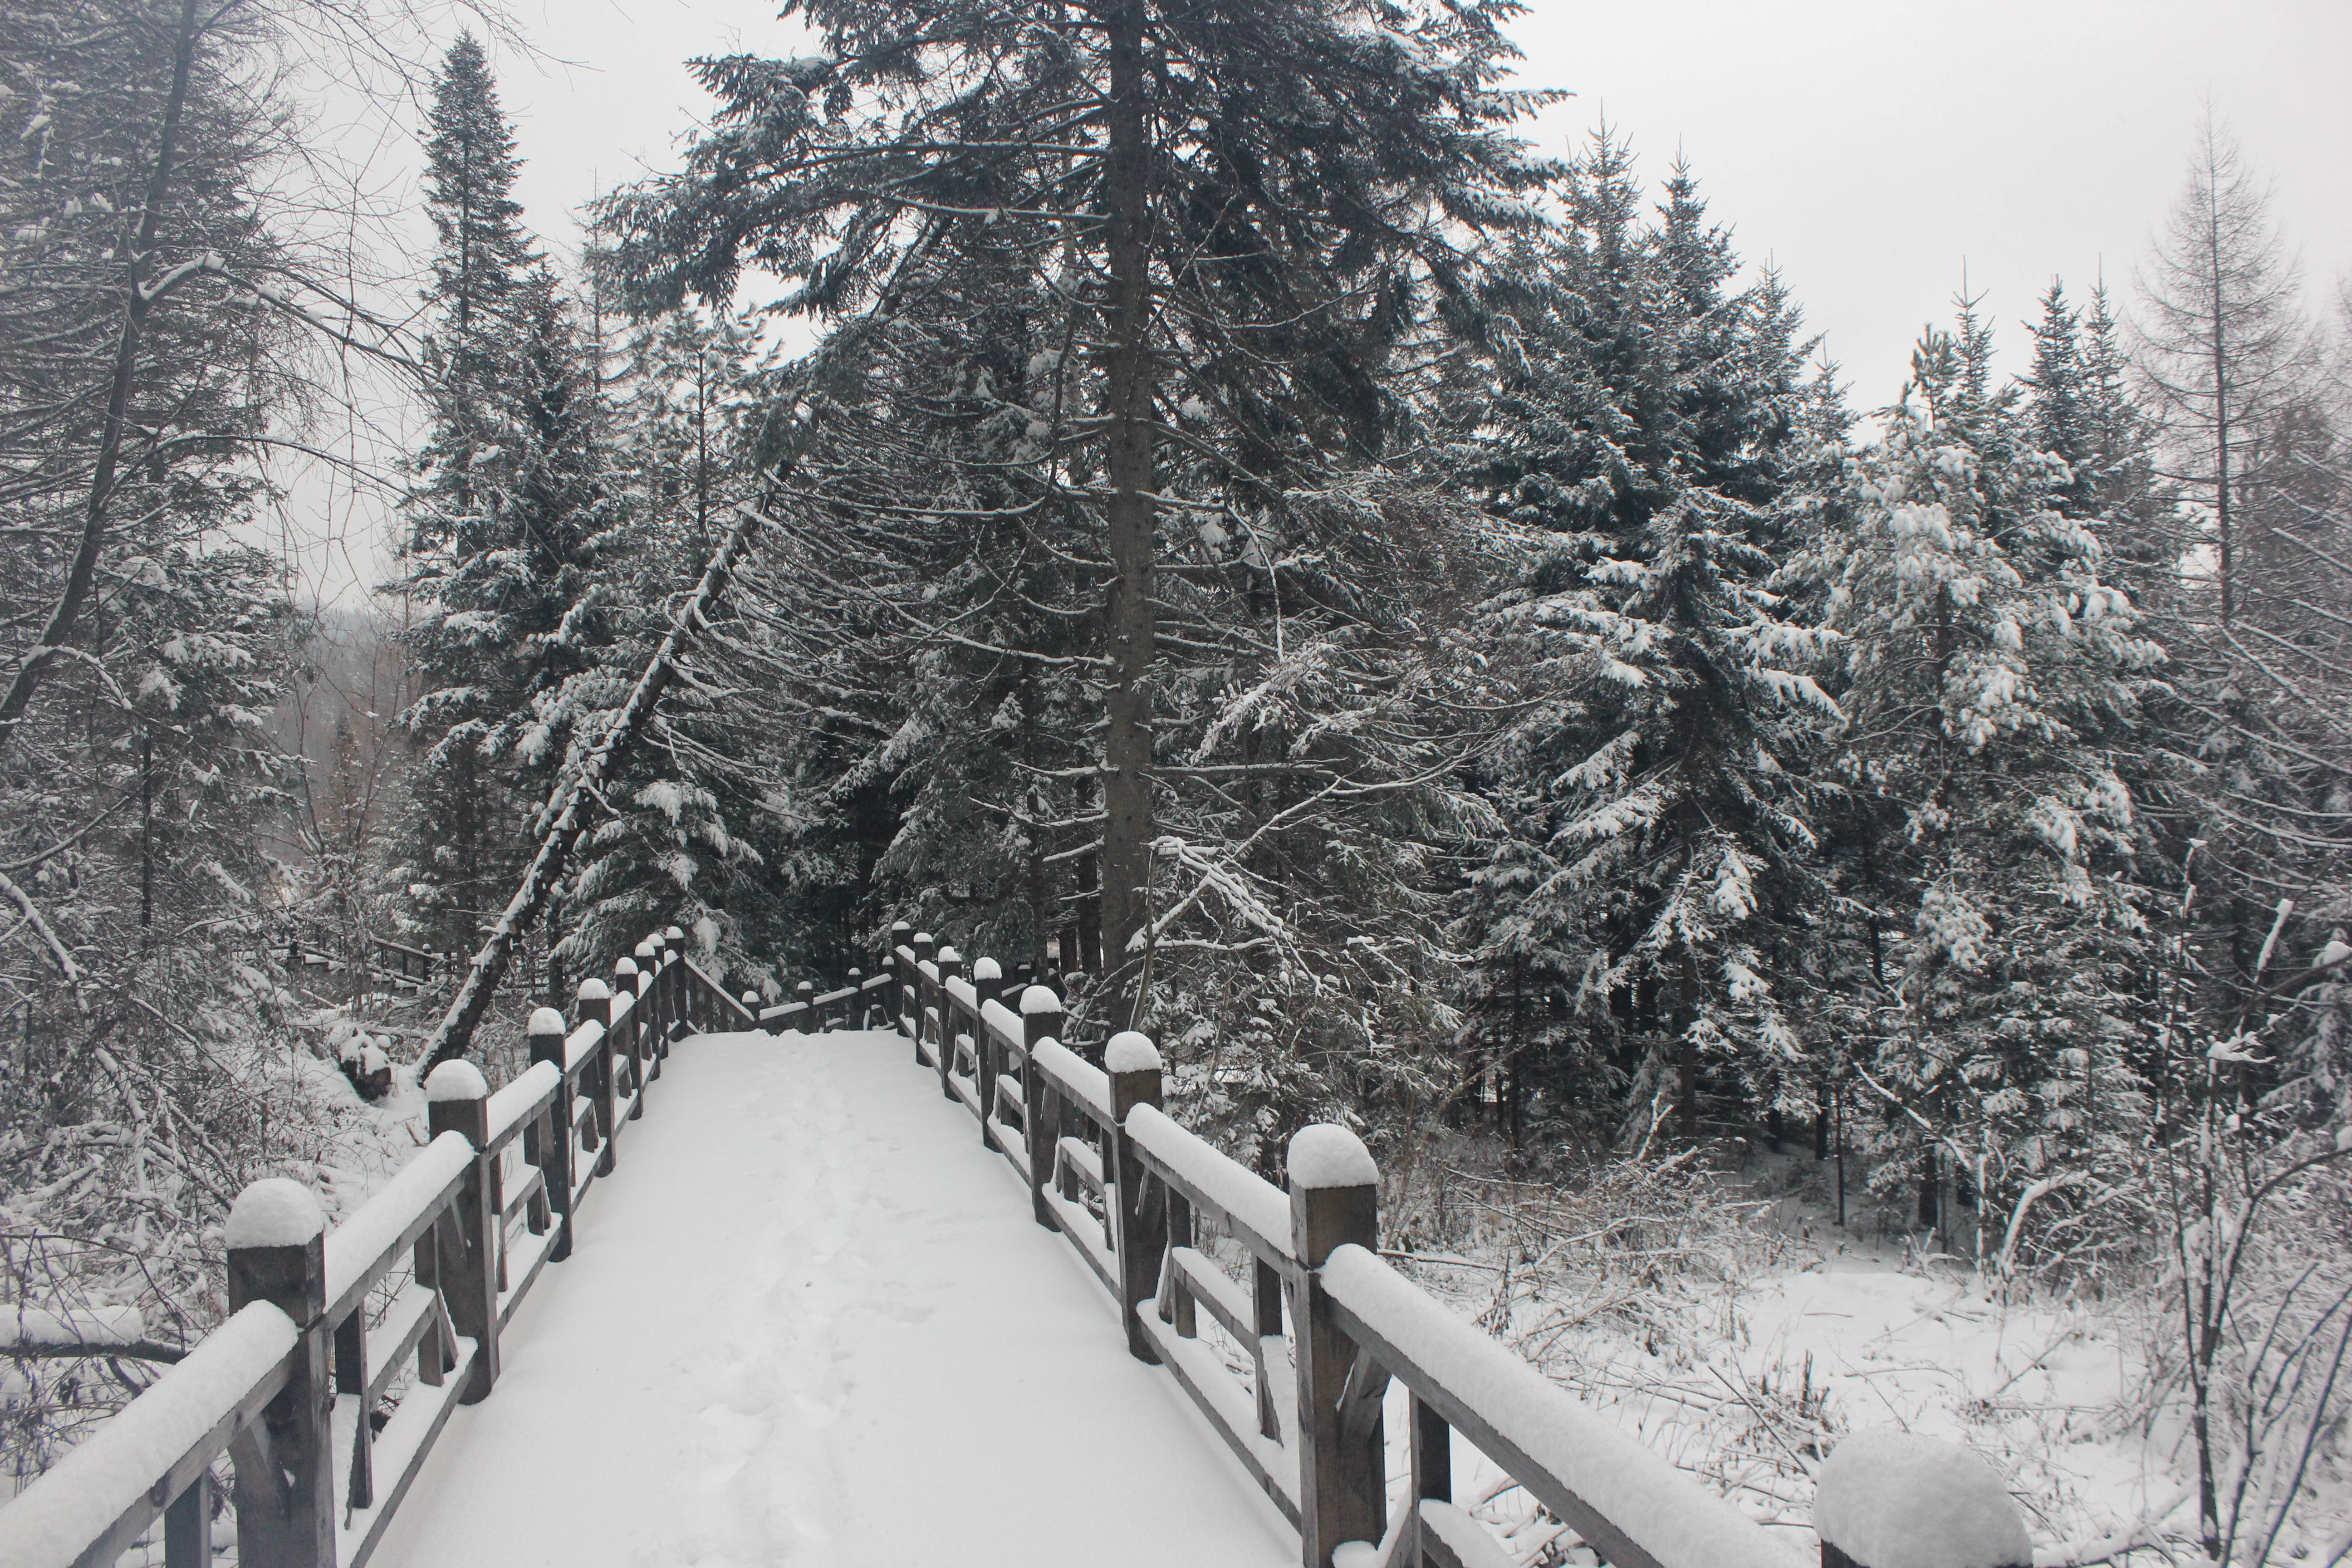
[346, 1350]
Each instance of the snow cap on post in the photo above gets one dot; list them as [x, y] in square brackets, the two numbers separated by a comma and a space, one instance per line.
[645, 948]
[544, 1021]
[1129, 1051]
[624, 966]
[751, 998]
[1890, 1498]
[456, 1079]
[1324, 1155]
[276, 1211]
[921, 937]
[671, 933]
[987, 969]
[948, 954]
[1039, 999]
[591, 990]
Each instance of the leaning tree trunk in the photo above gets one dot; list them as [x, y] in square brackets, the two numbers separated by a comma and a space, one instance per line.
[1128, 618]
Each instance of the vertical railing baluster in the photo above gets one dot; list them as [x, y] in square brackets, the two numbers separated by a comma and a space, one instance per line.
[188, 1526]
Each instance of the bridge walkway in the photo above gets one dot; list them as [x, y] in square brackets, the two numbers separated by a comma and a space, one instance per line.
[814, 1322]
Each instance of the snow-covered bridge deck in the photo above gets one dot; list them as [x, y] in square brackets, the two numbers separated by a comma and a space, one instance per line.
[813, 1321]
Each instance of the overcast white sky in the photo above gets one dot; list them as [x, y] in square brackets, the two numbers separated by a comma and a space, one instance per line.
[1871, 148]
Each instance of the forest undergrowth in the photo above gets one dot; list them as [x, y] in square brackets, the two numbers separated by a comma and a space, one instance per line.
[1716, 1307]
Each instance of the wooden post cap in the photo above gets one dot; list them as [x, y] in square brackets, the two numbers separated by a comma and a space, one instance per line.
[594, 1000]
[986, 968]
[1334, 1192]
[1129, 1051]
[805, 990]
[456, 1079]
[948, 954]
[277, 1211]
[750, 999]
[1039, 999]
[673, 934]
[1890, 1498]
[625, 966]
[544, 1021]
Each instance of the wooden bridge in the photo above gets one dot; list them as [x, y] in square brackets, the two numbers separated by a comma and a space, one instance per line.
[1001, 1418]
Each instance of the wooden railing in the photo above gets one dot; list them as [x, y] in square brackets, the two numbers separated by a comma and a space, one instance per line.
[345, 1351]
[1321, 1323]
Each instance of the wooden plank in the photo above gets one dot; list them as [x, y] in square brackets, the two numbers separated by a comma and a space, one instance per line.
[1217, 1291]
[1452, 1539]
[1201, 1374]
[400, 1449]
[1267, 1251]
[1077, 1222]
[1085, 1159]
[391, 1342]
[1613, 1545]
[530, 1256]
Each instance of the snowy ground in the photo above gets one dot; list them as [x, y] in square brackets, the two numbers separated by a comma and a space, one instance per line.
[810, 1320]
[1743, 1337]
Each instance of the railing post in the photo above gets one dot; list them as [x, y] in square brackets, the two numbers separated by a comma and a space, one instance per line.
[852, 1016]
[901, 935]
[1889, 1497]
[951, 964]
[1141, 1232]
[604, 1091]
[457, 1099]
[648, 1010]
[927, 951]
[752, 1006]
[1041, 1020]
[277, 1253]
[1334, 1200]
[987, 983]
[805, 995]
[680, 1013]
[549, 1148]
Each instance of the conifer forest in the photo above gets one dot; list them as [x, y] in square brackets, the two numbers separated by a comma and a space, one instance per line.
[1202, 501]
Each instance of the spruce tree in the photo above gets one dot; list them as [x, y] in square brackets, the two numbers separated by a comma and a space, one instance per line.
[513, 505]
[1994, 932]
[1212, 235]
[1644, 448]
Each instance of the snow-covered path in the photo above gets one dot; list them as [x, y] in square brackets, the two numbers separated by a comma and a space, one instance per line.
[809, 1320]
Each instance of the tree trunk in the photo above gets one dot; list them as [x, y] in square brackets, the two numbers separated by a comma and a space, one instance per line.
[1128, 615]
